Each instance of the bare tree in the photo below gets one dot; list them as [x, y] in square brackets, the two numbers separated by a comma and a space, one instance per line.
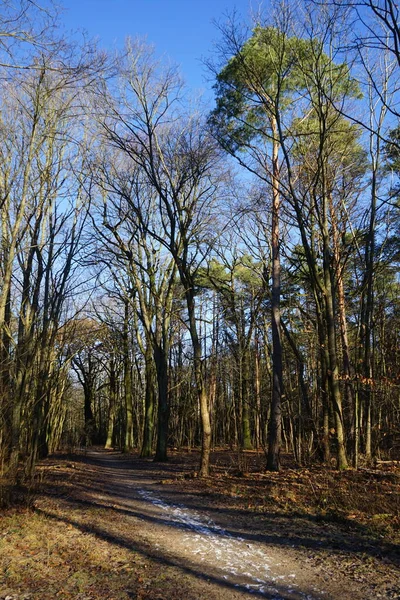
[128, 210]
[177, 158]
[42, 213]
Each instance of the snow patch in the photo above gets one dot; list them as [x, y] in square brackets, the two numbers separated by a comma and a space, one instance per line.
[248, 566]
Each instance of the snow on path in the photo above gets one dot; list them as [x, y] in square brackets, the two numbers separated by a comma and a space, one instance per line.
[246, 565]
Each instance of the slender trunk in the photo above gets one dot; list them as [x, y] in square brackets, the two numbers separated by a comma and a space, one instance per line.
[356, 440]
[366, 321]
[88, 392]
[112, 406]
[323, 391]
[367, 298]
[246, 433]
[347, 371]
[128, 445]
[305, 411]
[200, 385]
[213, 393]
[149, 405]
[275, 423]
[257, 392]
[161, 363]
[333, 371]
[5, 378]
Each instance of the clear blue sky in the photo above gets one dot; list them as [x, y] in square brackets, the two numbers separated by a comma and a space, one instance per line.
[181, 29]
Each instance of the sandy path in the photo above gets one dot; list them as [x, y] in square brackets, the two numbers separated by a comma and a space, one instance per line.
[227, 562]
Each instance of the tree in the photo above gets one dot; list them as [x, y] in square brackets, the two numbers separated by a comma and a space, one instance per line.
[238, 282]
[39, 241]
[128, 209]
[177, 158]
[42, 213]
[253, 91]
[24, 25]
[275, 81]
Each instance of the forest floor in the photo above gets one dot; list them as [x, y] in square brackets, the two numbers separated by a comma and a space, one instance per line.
[106, 526]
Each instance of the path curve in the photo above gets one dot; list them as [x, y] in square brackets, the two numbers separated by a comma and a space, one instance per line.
[231, 565]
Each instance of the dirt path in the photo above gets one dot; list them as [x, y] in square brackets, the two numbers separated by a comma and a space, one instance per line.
[211, 551]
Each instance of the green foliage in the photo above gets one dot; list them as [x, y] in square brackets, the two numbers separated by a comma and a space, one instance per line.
[237, 284]
[249, 87]
[212, 275]
[261, 80]
[244, 275]
[334, 141]
[392, 150]
[341, 135]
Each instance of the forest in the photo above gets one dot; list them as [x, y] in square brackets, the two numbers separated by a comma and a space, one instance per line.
[179, 275]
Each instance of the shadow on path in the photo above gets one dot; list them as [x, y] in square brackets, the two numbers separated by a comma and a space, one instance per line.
[186, 566]
[118, 477]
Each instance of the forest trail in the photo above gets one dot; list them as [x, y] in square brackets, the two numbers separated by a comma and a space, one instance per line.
[223, 558]
[204, 550]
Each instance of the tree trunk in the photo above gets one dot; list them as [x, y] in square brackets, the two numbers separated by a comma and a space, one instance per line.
[200, 384]
[246, 433]
[275, 423]
[161, 362]
[333, 370]
[149, 401]
[128, 445]
[112, 406]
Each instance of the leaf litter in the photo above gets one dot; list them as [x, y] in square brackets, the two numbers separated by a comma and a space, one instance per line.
[104, 524]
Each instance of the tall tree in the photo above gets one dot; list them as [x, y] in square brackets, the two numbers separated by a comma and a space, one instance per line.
[177, 158]
[128, 210]
[253, 91]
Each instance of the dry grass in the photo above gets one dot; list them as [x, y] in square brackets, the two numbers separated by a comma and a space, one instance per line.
[40, 558]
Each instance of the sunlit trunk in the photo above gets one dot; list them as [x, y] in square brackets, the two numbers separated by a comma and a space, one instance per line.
[275, 423]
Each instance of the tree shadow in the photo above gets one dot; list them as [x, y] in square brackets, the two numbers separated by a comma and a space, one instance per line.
[119, 480]
[210, 575]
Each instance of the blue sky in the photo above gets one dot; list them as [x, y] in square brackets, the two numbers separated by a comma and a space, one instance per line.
[181, 29]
